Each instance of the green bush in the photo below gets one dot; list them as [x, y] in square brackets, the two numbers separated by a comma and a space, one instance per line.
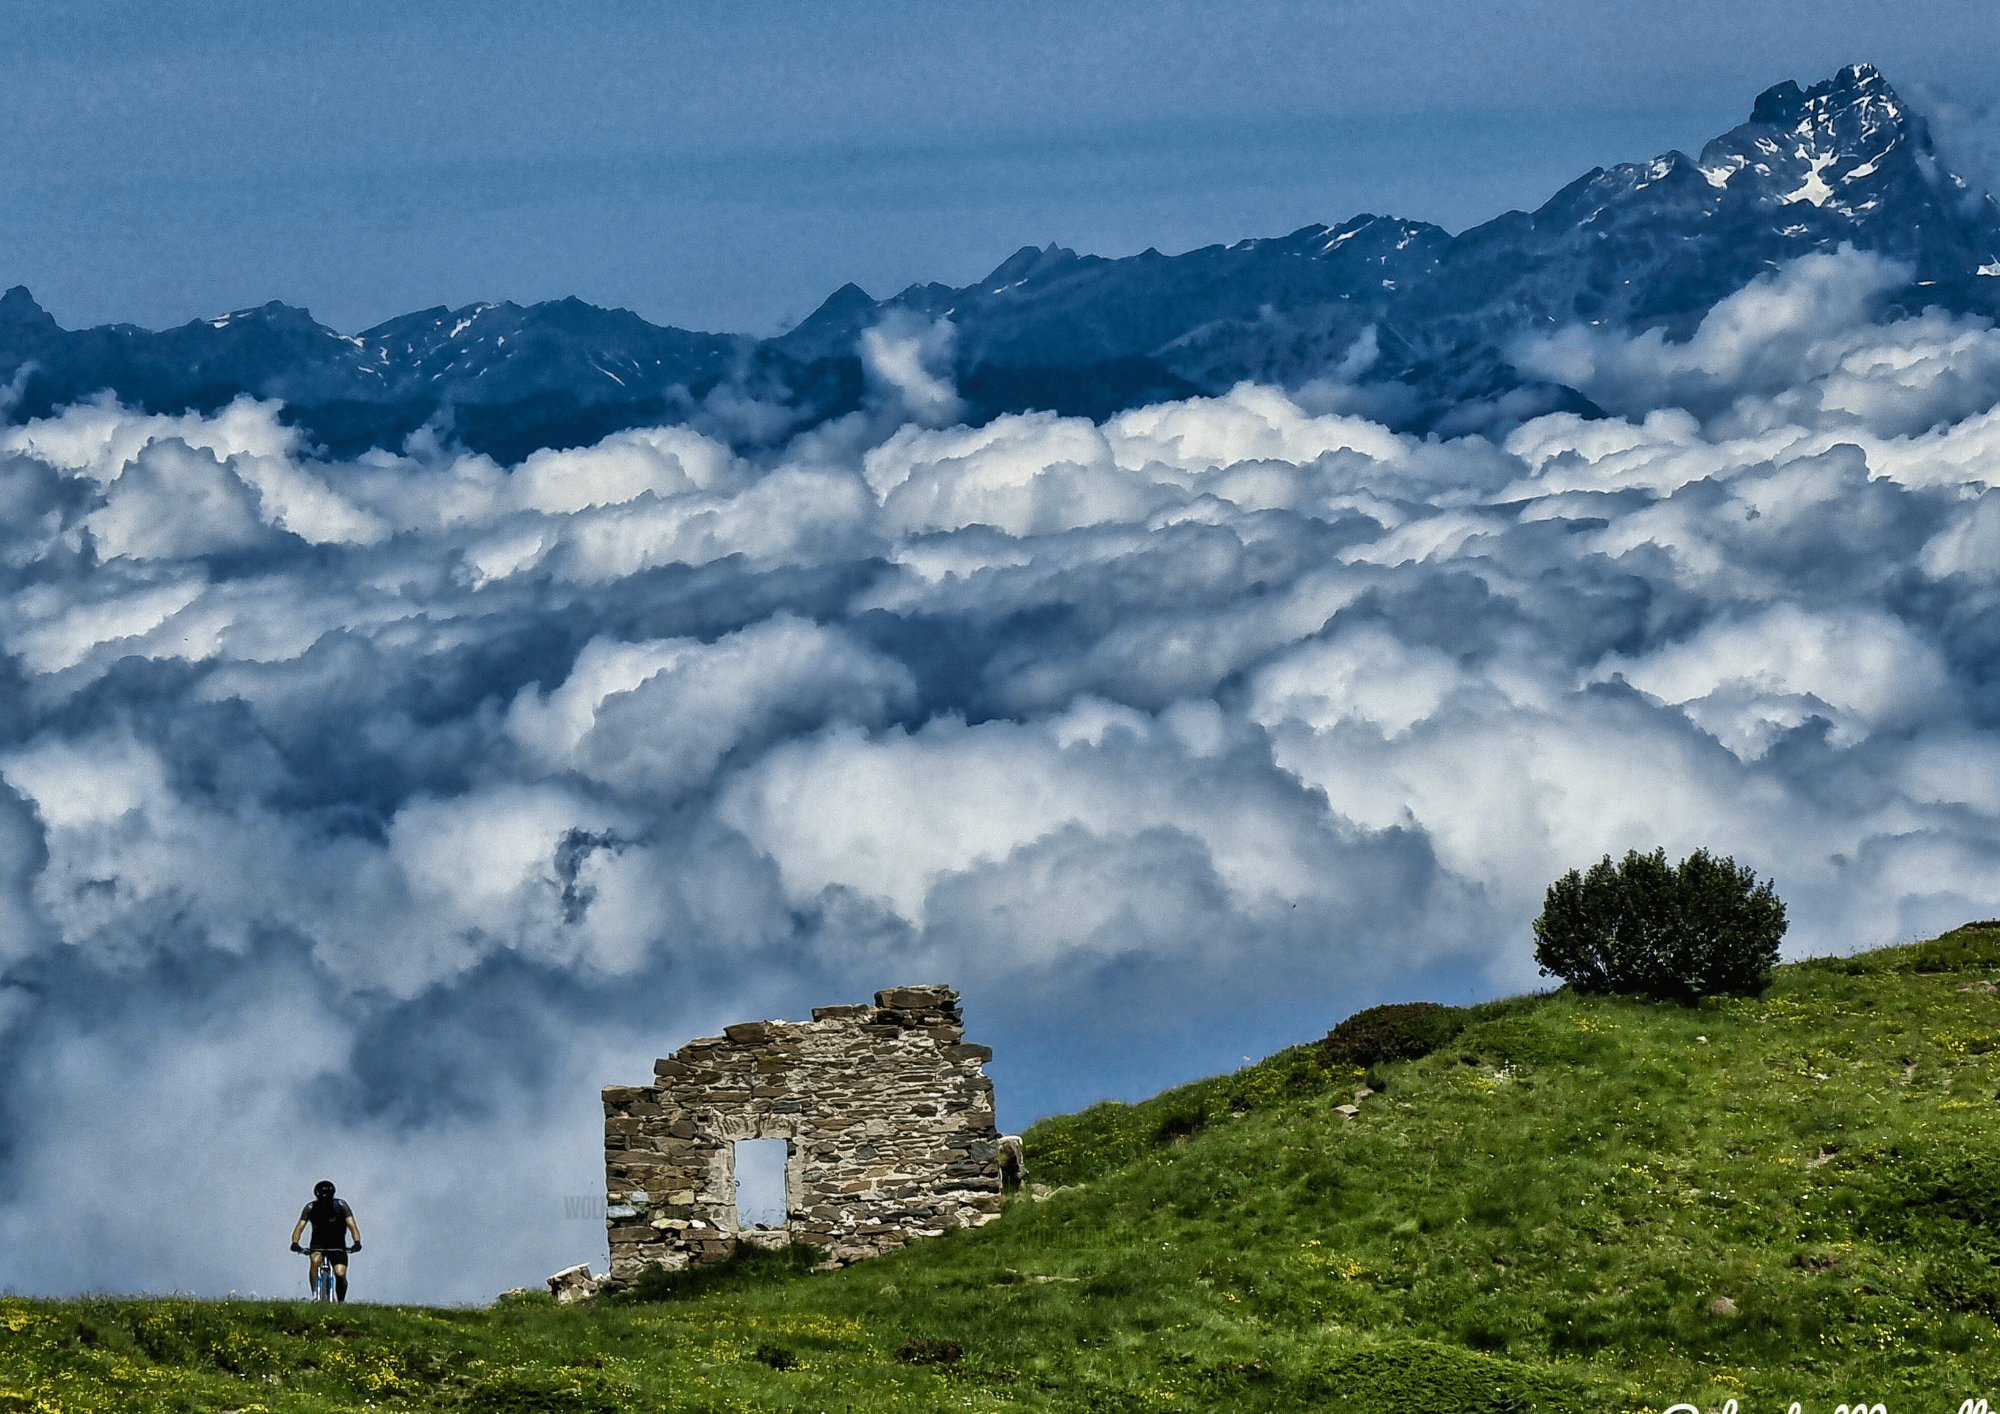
[1702, 928]
[1397, 1031]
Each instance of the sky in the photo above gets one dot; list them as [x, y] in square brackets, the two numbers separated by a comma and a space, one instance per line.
[727, 166]
[369, 816]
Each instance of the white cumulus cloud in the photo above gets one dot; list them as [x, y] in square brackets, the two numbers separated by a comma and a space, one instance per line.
[404, 801]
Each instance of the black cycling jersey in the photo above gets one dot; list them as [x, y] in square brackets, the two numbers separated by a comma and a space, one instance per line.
[328, 1217]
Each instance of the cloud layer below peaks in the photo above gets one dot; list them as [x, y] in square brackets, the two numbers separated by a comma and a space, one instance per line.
[407, 800]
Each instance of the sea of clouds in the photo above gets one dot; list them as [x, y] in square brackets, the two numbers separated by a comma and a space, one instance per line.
[362, 819]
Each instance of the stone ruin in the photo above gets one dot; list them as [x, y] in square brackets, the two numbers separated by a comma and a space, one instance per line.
[886, 1114]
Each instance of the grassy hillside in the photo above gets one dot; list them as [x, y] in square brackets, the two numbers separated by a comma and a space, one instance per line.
[1581, 1203]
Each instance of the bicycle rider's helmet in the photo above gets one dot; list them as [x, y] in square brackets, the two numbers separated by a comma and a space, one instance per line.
[323, 1189]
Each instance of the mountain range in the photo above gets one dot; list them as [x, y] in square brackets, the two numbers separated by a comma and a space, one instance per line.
[1414, 322]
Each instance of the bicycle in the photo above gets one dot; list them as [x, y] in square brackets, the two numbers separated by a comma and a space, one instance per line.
[322, 1290]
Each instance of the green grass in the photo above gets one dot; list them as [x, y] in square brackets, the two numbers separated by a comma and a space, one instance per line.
[1544, 1215]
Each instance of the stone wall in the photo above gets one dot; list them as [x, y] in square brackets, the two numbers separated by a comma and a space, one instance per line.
[886, 1113]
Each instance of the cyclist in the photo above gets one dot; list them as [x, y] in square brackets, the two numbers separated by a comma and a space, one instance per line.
[332, 1220]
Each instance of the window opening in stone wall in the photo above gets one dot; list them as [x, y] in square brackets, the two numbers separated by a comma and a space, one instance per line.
[760, 1183]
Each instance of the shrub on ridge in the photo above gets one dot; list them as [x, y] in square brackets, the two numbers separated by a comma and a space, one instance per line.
[1396, 1031]
[1700, 928]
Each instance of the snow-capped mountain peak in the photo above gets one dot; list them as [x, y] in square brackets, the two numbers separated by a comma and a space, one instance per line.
[1843, 145]
[1421, 315]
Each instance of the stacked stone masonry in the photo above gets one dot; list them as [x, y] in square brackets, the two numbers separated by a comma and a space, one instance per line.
[886, 1114]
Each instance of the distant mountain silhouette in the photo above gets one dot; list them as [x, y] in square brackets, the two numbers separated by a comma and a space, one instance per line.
[1417, 318]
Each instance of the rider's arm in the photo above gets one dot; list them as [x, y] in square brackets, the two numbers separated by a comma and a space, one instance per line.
[354, 1228]
[299, 1229]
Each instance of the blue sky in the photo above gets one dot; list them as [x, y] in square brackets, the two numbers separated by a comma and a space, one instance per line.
[726, 166]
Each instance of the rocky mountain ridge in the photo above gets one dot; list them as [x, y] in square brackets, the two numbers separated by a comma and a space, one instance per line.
[1412, 322]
